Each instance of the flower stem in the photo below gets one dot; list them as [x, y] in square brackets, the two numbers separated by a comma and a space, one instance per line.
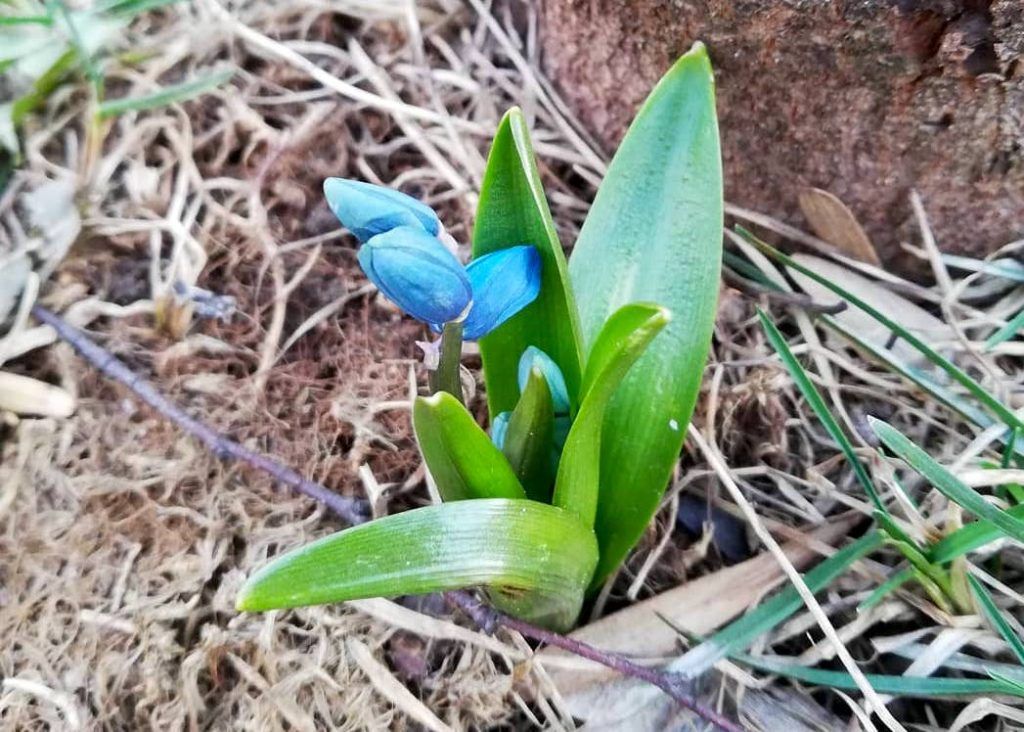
[446, 376]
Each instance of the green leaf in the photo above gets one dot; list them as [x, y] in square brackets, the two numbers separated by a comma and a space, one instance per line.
[461, 457]
[739, 634]
[955, 372]
[536, 557]
[167, 95]
[970, 537]
[913, 686]
[995, 617]
[817, 404]
[897, 580]
[513, 211]
[945, 482]
[1008, 331]
[621, 342]
[529, 439]
[654, 234]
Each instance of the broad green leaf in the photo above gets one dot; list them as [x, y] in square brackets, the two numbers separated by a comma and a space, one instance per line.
[741, 633]
[512, 211]
[996, 618]
[817, 404]
[654, 234]
[911, 686]
[461, 457]
[529, 439]
[537, 558]
[167, 95]
[621, 342]
[945, 482]
[955, 372]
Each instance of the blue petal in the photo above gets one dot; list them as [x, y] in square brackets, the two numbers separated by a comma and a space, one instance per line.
[499, 427]
[415, 271]
[504, 282]
[533, 356]
[367, 210]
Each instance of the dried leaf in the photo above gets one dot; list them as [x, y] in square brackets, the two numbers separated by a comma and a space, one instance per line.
[646, 631]
[836, 224]
[908, 314]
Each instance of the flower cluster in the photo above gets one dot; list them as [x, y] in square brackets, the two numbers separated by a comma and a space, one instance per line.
[403, 253]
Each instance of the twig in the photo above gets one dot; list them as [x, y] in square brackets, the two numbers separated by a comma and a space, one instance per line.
[795, 299]
[356, 512]
[351, 510]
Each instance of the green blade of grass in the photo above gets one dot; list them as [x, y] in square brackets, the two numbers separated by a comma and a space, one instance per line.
[1008, 331]
[817, 404]
[944, 481]
[739, 634]
[912, 686]
[955, 372]
[970, 537]
[995, 617]
[897, 580]
[167, 95]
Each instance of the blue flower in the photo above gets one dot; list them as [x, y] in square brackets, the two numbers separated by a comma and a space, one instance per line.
[367, 210]
[504, 282]
[404, 257]
[533, 356]
[499, 428]
[415, 271]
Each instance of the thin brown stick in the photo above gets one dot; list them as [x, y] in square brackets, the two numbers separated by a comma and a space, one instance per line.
[355, 512]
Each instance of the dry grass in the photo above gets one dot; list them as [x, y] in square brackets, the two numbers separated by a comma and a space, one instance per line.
[124, 544]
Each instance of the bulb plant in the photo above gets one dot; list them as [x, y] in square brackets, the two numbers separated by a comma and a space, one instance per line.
[592, 367]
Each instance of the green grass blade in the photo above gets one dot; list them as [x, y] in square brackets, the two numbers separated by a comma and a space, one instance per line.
[970, 537]
[621, 342]
[167, 95]
[945, 482]
[817, 404]
[739, 634]
[654, 234]
[909, 686]
[897, 580]
[460, 455]
[956, 373]
[537, 557]
[512, 211]
[995, 617]
[1008, 331]
[529, 439]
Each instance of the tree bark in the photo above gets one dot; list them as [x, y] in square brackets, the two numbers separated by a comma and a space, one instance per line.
[867, 99]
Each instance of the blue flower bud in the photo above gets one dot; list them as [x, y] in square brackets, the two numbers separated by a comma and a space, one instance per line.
[416, 272]
[499, 428]
[533, 356]
[504, 282]
[367, 210]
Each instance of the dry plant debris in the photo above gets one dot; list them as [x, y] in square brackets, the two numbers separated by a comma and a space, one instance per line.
[123, 543]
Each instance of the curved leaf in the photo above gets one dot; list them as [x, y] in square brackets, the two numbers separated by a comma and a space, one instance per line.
[461, 457]
[513, 211]
[536, 558]
[529, 438]
[654, 234]
[621, 342]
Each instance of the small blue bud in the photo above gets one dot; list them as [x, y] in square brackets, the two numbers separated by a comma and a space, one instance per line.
[367, 210]
[533, 356]
[499, 427]
[416, 272]
[504, 282]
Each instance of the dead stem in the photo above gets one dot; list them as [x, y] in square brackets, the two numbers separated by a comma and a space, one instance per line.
[355, 512]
